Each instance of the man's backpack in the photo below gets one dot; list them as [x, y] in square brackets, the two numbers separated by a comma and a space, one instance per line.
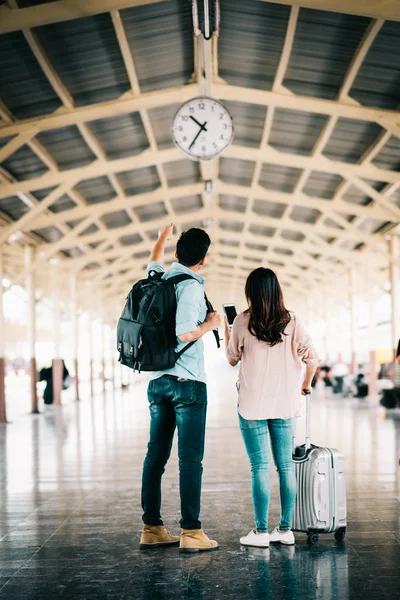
[146, 332]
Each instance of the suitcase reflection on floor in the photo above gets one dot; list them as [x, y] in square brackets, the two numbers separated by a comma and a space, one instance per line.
[299, 572]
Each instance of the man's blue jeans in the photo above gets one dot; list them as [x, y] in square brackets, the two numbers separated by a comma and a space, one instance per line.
[255, 435]
[181, 405]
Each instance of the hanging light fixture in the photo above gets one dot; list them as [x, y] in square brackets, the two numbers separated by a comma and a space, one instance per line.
[205, 17]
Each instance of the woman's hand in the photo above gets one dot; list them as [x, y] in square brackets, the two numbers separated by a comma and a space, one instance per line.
[228, 331]
[305, 386]
[228, 334]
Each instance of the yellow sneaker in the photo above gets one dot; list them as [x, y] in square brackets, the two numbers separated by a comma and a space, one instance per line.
[154, 536]
[195, 540]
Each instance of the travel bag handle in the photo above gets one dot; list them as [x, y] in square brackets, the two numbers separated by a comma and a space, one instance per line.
[308, 418]
[308, 422]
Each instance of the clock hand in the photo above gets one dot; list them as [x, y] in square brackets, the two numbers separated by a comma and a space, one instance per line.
[203, 128]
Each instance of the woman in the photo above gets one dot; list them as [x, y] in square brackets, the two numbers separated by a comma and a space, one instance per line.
[271, 345]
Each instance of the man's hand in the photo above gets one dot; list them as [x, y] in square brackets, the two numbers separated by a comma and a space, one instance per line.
[158, 251]
[166, 232]
[213, 320]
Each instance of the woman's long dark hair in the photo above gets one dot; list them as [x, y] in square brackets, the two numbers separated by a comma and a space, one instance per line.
[268, 314]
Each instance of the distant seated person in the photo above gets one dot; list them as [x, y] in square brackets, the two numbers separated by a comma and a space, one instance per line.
[46, 374]
[326, 376]
[391, 397]
[361, 386]
[339, 371]
[385, 371]
[319, 376]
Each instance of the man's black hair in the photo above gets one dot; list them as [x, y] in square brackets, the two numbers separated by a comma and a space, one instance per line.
[192, 247]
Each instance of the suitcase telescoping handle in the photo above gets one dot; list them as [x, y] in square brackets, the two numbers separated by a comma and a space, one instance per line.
[308, 422]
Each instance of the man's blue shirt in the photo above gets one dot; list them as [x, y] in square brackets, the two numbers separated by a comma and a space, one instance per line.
[191, 312]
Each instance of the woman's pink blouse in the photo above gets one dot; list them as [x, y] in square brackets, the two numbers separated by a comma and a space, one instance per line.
[270, 378]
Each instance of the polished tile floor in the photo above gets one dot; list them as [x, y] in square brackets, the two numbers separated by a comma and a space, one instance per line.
[70, 507]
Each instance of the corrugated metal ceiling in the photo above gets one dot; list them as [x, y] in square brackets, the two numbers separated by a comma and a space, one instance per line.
[295, 131]
[251, 40]
[139, 181]
[86, 55]
[323, 47]
[87, 58]
[378, 81]
[350, 139]
[235, 170]
[161, 41]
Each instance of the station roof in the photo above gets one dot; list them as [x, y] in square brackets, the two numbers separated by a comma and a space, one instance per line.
[89, 171]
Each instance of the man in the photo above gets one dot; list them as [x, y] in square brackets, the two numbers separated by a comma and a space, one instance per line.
[178, 399]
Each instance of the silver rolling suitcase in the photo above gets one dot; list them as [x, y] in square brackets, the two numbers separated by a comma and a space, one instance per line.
[321, 488]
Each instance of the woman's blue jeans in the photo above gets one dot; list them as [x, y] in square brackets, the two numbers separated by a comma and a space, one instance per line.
[255, 435]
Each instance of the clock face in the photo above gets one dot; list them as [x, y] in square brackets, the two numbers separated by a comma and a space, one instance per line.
[202, 128]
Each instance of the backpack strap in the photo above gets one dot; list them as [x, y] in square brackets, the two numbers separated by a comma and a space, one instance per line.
[179, 278]
[175, 280]
[189, 345]
[184, 277]
[210, 309]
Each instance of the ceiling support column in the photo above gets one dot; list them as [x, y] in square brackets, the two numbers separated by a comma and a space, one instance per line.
[111, 349]
[372, 341]
[57, 360]
[395, 291]
[102, 345]
[331, 329]
[91, 359]
[353, 321]
[3, 416]
[74, 322]
[31, 289]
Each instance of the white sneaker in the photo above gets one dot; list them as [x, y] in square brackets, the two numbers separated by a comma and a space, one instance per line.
[258, 540]
[282, 537]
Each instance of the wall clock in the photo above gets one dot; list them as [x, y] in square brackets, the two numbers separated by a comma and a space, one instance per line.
[202, 128]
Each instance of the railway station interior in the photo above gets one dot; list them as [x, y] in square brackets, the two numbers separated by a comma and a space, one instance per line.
[302, 176]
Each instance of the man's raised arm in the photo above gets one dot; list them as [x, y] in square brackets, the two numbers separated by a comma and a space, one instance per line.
[165, 234]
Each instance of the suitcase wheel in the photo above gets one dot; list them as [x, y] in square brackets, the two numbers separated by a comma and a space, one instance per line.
[340, 534]
[312, 538]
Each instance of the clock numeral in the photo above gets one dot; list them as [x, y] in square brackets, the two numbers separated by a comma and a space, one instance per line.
[202, 106]
[225, 126]
[184, 139]
[180, 128]
[184, 117]
[191, 109]
[221, 116]
[203, 148]
[212, 108]
[222, 137]
[215, 145]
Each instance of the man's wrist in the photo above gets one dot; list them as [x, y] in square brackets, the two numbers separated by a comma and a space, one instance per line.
[204, 327]
[163, 238]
